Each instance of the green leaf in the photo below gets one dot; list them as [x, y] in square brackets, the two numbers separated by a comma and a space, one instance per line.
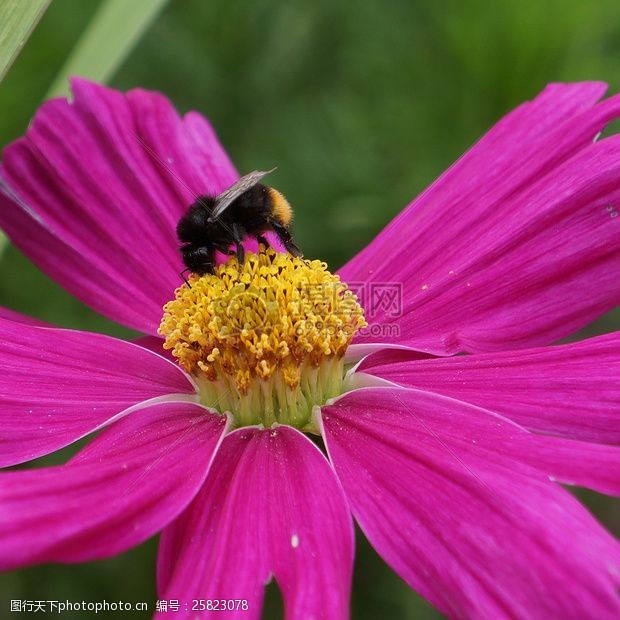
[17, 20]
[114, 29]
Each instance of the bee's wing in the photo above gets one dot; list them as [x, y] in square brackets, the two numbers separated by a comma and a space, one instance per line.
[225, 199]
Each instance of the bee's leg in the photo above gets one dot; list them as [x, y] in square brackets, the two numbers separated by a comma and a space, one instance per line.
[240, 252]
[263, 241]
[238, 234]
[225, 250]
[285, 237]
[182, 274]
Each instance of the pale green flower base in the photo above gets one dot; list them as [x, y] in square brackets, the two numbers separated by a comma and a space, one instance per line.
[271, 401]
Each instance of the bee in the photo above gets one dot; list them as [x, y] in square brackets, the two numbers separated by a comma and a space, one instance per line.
[246, 209]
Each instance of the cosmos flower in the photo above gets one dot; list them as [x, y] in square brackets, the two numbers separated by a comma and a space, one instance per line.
[451, 464]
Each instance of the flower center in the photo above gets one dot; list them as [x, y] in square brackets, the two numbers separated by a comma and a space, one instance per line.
[264, 340]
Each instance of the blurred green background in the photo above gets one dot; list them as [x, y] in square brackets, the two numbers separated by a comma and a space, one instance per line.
[360, 105]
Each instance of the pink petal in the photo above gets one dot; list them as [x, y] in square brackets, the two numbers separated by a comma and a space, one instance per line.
[12, 315]
[155, 344]
[577, 463]
[517, 244]
[106, 230]
[58, 385]
[271, 506]
[89, 280]
[438, 492]
[185, 152]
[571, 390]
[131, 481]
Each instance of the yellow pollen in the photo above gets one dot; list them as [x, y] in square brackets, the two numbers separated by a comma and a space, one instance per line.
[265, 339]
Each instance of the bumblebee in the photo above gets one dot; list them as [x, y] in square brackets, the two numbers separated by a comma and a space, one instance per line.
[246, 209]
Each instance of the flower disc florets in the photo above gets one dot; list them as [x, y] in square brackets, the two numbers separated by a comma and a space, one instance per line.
[265, 339]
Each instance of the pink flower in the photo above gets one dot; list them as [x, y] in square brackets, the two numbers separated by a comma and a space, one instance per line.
[449, 464]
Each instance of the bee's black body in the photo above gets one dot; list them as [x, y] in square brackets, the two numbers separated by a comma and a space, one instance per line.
[252, 213]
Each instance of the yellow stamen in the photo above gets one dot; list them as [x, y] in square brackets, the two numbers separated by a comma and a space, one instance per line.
[265, 339]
